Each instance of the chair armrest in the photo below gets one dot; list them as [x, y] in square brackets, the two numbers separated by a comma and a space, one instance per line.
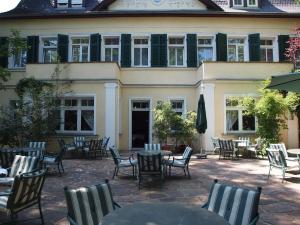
[253, 222]
[116, 204]
[205, 206]
[5, 193]
[72, 222]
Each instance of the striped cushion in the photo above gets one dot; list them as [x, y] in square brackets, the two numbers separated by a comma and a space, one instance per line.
[150, 147]
[23, 164]
[126, 163]
[88, 205]
[3, 201]
[39, 146]
[78, 141]
[187, 153]
[6, 180]
[238, 206]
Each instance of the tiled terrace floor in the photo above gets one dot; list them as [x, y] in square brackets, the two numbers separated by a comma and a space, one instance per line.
[280, 203]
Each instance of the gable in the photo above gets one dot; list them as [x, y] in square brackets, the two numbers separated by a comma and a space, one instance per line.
[157, 5]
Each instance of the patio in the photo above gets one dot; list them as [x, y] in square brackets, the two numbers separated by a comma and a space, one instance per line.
[279, 202]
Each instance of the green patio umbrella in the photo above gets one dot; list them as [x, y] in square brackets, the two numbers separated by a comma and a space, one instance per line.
[201, 122]
[287, 82]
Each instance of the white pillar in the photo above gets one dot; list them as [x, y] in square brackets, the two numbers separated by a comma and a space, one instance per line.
[209, 97]
[111, 97]
[293, 140]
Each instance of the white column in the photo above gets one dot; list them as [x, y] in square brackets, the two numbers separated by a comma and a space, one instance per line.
[293, 140]
[111, 97]
[209, 97]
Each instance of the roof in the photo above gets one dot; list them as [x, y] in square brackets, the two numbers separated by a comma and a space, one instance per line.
[97, 8]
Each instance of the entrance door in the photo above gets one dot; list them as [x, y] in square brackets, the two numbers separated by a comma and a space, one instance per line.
[140, 123]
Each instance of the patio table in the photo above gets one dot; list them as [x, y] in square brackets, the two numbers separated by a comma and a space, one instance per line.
[154, 152]
[295, 151]
[162, 214]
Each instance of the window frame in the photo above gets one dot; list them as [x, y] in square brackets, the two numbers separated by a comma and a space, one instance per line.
[238, 5]
[103, 46]
[255, 5]
[179, 98]
[71, 38]
[240, 114]
[79, 108]
[213, 45]
[11, 60]
[184, 64]
[273, 48]
[141, 46]
[41, 48]
[68, 4]
[245, 45]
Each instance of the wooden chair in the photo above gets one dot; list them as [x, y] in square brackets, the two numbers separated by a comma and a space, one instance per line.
[227, 149]
[24, 193]
[88, 205]
[40, 147]
[93, 150]
[238, 206]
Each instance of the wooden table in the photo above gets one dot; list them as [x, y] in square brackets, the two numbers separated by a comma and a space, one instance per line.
[162, 214]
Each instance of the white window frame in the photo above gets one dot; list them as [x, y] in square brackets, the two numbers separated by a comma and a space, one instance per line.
[246, 48]
[238, 5]
[273, 47]
[213, 45]
[113, 46]
[66, 4]
[255, 5]
[140, 46]
[71, 47]
[240, 114]
[11, 61]
[176, 45]
[183, 99]
[41, 49]
[79, 109]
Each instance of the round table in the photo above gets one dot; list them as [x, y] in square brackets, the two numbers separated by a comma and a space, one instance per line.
[155, 152]
[295, 151]
[162, 214]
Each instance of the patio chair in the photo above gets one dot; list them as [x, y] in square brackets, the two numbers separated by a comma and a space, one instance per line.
[277, 159]
[150, 165]
[40, 148]
[238, 206]
[7, 157]
[93, 149]
[152, 147]
[215, 141]
[227, 149]
[25, 192]
[21, 164]
[281, 147]
[56, 159]
[104, 146]
[254, 149]
[122, 162]
[88, 205]
[182, 162]
[79, 141]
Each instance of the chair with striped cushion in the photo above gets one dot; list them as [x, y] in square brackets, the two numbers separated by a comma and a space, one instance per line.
[25, 192]
[79, 141]
[227, 149]
[21, 164]
[88, 205]
[93, 149]
[152, 147]
[7, 157]
[150, 165]
[182, 162]
[281, 147]
[239, 206]
[39, 147]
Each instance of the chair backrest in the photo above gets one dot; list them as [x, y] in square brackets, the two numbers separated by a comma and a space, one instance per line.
[7, 157]
[115, 154]
[26, 189]
[23, 164]
[226, 145]
[40, 148]
[152, 147]
[281, 147]
[276, 158]
[88, 205]
[105, 141]
[149, 163]
[62, 150]
[95, 144]
[244, 141]
[215, 141]
[239, 206]
[79, 141]
[187, 154]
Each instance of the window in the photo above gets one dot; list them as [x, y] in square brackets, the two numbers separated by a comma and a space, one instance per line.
[236, 49]
[49, 46]
[252, 3]
[80, 49]
[176, 51]
[67, 3]
[18, 59]
[77, 115]
[111, 49]
[178, 106]
[235, 119]
[62, 3]
[141, 52]
[237, 2]
[266, 50]
[205, 49]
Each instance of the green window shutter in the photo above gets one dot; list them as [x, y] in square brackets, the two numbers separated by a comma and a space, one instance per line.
[221, 44]
[125, 50]
[32, 49]
[245, 3]
[4, 51]
[163, 50]
[63, 47]
[254, 47]
[230, 3]
[282, 46]
[155, 50]
[95, 51]
[191, 40]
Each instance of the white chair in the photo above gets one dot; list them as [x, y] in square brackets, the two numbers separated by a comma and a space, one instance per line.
[152, 147]
[281, 147]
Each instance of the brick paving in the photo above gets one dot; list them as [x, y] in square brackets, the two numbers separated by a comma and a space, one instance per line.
[280, 202]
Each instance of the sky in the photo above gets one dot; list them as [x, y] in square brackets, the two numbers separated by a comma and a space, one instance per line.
[6, 5]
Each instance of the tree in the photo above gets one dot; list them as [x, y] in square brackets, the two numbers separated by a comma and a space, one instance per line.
[293, 51]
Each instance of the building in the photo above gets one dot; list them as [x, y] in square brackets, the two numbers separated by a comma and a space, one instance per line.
[120, 57]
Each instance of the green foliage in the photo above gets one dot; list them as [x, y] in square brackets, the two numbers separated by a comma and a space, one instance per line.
[270, 110]
[168, 124]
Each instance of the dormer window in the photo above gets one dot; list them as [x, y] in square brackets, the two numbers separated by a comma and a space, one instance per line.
[252, 3]
[238, 3]
[69, 3]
